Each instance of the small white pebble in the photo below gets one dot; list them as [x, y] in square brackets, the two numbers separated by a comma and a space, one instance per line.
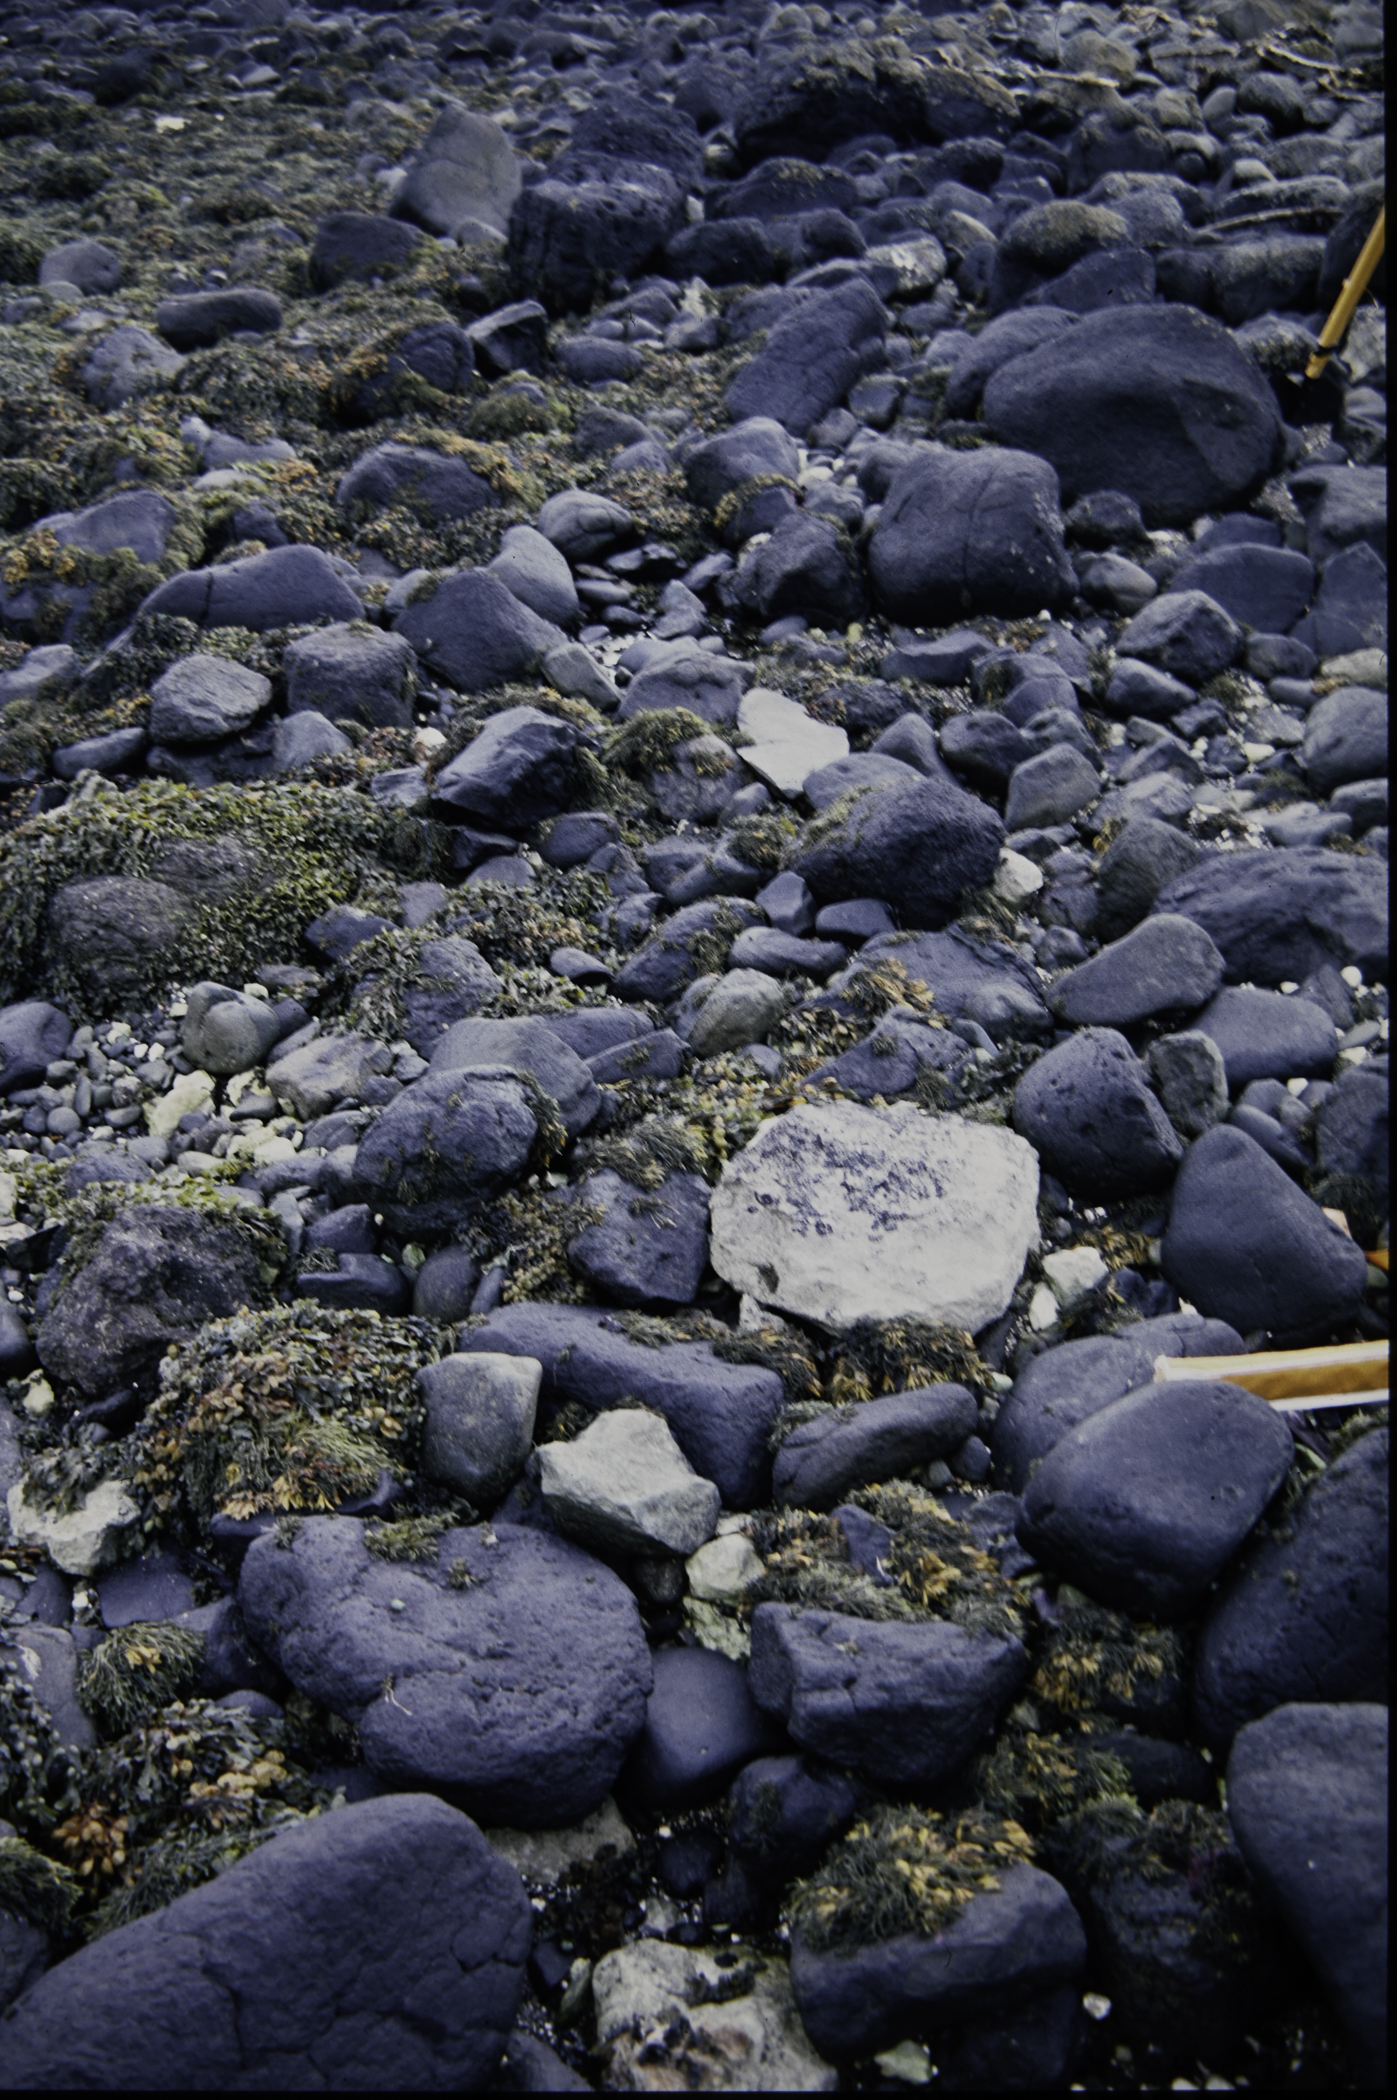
[1290, 985]
[1352, 976]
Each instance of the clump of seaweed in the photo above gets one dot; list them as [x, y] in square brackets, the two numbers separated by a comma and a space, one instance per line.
[901, 1872]
[930, 1567]
[137, 1670]
[1099, 1660]
[288, 854]
[34, 1887]
[782, 1350]
[650, 1150]
[1037, 1779]
[896, 1356]
[292, 1409]
[648, 740]
[415, 1538]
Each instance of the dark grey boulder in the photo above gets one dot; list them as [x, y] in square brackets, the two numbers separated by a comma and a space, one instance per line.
[285, 587]
[691, 941]
[709, 686]
[1346, 738]
[822, 1461]
[520, 1690]
[919, 847]
[609, 218]
[1064, 1385]
[1304, 1616]
[1158, 402]
[203, 698]
[351, 674]
[1186, 633]
[1264, 588]
[985, 747]
[1281, 915]
[1268, 1035]
[1049, 788]
[358, 1282]
[583, 525]
[701, 1726]
[198, 320]
[904, 1703]
[32, 1035]
[446, 1285]
[1008, 336]
[980, 980]
[473, 632]
[963, 532]
[1352, 1134]
[532, 567]
[526, 1045]
[432, 484]
[811, 359]
[721, 1412]
[1134, 869]
[464, 177]
[639, 1246]
[806, 567]
[359, 244]
[758, 446]
[453, 981]
[783, 1812]
[304, 1965]
[125, 363]
[1307, 1795]
[1138, 688]
[157, 1274]
[445, 1144]
[1088, 1110]
[88, 264]
[1143, 1504]
[518, 769]
[1245, 1245]
[1165, 965]
[1006, 1947]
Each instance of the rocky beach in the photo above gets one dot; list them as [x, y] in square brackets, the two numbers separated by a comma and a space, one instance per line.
[693, 1047]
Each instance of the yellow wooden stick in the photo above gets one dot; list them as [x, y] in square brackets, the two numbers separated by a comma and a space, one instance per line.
[1344, 1374]
[1355, 284]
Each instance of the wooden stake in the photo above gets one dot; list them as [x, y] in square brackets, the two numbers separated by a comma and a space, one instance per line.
[1355, 284]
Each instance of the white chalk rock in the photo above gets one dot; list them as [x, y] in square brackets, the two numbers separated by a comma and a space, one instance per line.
[842, 1213]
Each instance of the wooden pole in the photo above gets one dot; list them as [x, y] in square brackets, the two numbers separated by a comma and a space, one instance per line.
[1355, 284]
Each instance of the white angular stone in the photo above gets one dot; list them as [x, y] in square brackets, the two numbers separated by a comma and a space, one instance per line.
[843, 1213]
[1073, 1271]
[655, 2006]
[789, 744]
[1017, 878]
[720, 1571]
[625, 1486]
[190, 1095]
[81, 1540]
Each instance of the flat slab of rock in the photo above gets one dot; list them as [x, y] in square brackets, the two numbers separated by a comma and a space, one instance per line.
[519, 1680]
[1009, 1944]
[382, 1945]
[842, 1213]
[1307, 1794]
[1144, 1504]
[904, 1702]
